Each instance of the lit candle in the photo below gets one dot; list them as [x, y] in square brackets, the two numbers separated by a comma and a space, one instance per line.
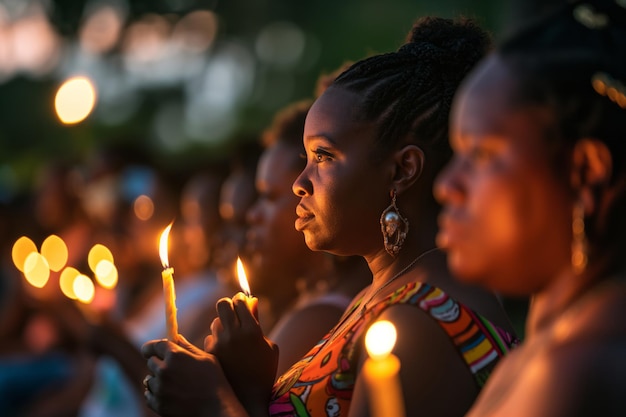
[168, 288]
[243, 283]
[381, 369]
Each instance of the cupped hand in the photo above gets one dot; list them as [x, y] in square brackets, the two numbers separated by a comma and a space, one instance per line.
[186, 381]
[248, 358]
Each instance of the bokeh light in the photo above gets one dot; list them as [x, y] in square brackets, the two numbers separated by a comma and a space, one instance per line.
[98, 253]
[143, 207]
[66, 282]
[75, 100]
[106, 274]
[21, 249]
[36, 270]
[55, 251]
[84, 289]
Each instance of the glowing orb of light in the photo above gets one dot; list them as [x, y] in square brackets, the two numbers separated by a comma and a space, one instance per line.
[75, 99]
[106, 274]
[143, 207]
[98, 253]
[55, 251]
[36, 270]
[84, 289]
[21, 249]
[66, 282]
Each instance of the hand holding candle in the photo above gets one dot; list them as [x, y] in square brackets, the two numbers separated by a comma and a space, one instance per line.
[243, 283]
[168, 287]
[381, 369]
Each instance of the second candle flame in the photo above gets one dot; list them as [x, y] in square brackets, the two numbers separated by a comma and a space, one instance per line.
[163, 246]
[243, 280]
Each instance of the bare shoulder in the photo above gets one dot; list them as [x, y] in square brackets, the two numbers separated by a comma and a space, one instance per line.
[575, 367]
[432, 370]
[568, 380]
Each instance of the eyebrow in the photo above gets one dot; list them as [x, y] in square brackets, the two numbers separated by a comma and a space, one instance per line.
[320, 137]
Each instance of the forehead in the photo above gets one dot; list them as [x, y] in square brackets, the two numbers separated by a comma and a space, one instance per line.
[335, 115]
[485, 106]
[278, 160]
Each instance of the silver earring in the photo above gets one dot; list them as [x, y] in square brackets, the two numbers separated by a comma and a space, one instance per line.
[394, 227]
[579, 239]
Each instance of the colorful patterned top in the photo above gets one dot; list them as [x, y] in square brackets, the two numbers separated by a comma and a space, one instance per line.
[321, 384]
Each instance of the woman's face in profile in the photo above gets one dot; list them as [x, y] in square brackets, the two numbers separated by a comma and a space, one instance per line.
[342, 191]
[506, 218]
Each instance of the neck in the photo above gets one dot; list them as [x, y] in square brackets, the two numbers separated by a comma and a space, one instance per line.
[549, 303]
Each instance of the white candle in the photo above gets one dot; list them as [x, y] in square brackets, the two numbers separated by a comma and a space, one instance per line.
[381, 370]
[168, 288]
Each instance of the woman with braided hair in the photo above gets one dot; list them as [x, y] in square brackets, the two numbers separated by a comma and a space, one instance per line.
[535, 203]
[374, 141]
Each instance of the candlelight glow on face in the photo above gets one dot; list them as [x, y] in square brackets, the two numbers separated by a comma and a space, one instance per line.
[380, 339]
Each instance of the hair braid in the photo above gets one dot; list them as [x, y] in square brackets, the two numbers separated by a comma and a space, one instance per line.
[408, 93]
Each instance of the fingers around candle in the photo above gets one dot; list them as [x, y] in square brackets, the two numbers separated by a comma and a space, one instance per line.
[246, 315]
[226, 313]
[154, 348]
[155, 365]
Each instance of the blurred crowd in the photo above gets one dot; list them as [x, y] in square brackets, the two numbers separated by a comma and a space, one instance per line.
[60, 356]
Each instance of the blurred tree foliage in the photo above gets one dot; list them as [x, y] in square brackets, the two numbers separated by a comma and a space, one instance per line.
[30, 134]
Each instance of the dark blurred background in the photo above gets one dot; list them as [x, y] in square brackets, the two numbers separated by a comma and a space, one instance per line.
[180, 82]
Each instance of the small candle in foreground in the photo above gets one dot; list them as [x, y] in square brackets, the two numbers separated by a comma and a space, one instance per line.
[381, 369]
[243, 283]
[168, 287]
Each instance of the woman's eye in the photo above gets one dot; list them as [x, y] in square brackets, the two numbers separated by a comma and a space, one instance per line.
[322, 156]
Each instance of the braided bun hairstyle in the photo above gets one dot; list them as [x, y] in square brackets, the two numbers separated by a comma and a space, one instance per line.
[408, 93]
[572, 62]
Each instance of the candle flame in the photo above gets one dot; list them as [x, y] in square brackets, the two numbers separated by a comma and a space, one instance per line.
[243, 281]
[163, 246]
[380, 339]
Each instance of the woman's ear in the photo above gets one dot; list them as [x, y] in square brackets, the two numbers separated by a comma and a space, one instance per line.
[591, 168]
[409, 164]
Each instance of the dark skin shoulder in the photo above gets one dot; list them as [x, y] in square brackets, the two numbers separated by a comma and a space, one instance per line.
[578, 359]
[431, 368]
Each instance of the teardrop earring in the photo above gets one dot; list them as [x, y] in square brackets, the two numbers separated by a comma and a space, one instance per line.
[394, 227]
